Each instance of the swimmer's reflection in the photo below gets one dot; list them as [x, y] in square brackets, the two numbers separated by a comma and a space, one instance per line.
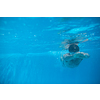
[74, 57]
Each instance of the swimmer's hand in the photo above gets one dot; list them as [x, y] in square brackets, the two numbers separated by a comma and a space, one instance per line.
[81, 55]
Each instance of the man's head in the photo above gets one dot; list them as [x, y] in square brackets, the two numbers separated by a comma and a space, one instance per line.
[73, 48]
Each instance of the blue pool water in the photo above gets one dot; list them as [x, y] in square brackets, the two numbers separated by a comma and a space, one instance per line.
[30, 50]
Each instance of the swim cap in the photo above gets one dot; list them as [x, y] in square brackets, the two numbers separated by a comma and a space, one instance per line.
[73, 48]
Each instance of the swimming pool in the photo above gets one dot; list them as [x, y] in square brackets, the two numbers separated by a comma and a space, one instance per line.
[30, 50]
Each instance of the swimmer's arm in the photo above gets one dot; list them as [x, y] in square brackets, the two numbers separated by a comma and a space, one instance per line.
[81, 55]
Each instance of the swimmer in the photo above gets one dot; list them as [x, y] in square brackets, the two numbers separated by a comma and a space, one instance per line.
[74, 57]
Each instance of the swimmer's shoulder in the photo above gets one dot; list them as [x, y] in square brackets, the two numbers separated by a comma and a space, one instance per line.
[68, 57]
[67, 54]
